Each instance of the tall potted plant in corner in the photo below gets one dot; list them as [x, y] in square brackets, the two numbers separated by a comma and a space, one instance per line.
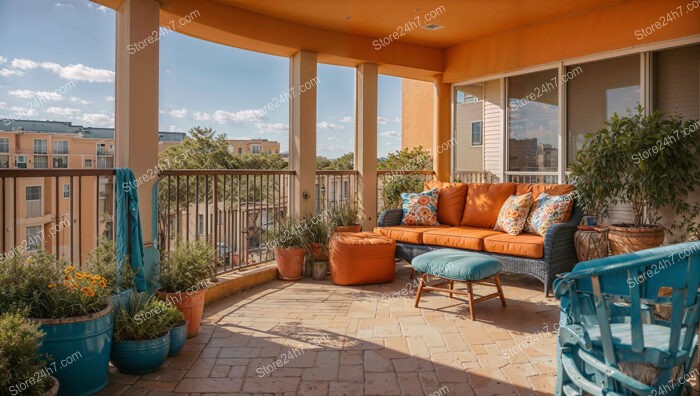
[288, 243]
[316, 232]
[647, 162]
[73, 310]
[184, 277]
[22, 368]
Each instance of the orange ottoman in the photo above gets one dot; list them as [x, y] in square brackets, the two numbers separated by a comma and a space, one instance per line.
[359, 258]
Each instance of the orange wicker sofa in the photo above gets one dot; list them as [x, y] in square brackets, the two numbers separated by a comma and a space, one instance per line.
[467, 214]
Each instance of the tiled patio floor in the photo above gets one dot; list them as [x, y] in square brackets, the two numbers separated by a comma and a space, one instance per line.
[363, 340]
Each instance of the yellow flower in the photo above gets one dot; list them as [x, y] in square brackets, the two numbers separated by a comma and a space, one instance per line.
[79, 275]
[52, 285]
[103, 282]
[69, 269]
[88, 291]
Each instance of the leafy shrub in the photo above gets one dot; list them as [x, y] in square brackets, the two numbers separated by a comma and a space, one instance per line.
[394, 185]
[188, 267]
[47, 288]
[103, 261]
[346, 214]
[20, 360]
[145, 318]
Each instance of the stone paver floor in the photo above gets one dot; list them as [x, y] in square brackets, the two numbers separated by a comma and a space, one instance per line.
[315, 338]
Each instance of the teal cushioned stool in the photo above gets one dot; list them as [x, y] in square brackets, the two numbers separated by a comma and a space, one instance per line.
[450, 265]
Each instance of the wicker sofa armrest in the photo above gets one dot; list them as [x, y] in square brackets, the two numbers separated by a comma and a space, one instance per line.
[559, 249]
[389, 218]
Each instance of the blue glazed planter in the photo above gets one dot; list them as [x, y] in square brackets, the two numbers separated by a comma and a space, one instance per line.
[140, 357]
[178, 335]
[80, 348]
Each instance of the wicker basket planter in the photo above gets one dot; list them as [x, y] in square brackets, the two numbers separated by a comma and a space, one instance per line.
[625, 238]
[591, 244]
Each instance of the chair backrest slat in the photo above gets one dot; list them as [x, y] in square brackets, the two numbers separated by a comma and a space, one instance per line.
[636, 312]
[603, 322]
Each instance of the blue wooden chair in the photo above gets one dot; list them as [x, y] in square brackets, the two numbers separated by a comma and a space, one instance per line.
[613, 323]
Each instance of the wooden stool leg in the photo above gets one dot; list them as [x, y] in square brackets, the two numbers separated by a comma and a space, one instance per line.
[420, 290]
[500, 290]
[470, 291]
[413, 272]
[452, 287]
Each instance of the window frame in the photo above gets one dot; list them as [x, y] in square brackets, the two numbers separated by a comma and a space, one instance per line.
[481, 133]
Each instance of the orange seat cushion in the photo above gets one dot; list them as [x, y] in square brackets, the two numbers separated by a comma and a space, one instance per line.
[550, 189]
[484, 202]
[451, 199]
[407, 234]
[523, 245]
[358, 258]
[459, 237]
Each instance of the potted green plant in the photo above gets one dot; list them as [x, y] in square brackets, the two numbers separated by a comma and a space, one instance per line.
[141, 334]
[184, 277]
[319, 268]
[73, 310]
[23, 369]
[316, 234]
[102, 260]
[345, 217]
[645, 161]
[287, 240]
[178, 330]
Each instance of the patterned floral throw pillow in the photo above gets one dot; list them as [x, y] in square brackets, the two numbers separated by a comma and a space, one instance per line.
[420, 208]
[548, 210]
[513, 214]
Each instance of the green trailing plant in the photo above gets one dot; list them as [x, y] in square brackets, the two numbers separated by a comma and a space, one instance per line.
[648, 162]
[46, 287]
[188, 267]
[144, 318]
[102, 260]
[287, 233]
[20, 360]
[344, 215]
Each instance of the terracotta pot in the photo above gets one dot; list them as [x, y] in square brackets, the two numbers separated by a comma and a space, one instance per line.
[190, 303]
[53, 391]
[625, 239]
[290, 262]
[317, 253]
[591, 245]
[352, 228]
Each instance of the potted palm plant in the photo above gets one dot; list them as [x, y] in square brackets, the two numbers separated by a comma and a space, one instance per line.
[288, 242]
[184, 277]
[345, 217]
[645, 161]
[72, 308]
[23, 369]
[141, 334]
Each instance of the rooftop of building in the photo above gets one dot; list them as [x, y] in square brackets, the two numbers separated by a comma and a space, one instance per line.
[67, 127]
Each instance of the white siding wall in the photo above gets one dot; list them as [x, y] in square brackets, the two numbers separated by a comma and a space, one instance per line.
[493, 128]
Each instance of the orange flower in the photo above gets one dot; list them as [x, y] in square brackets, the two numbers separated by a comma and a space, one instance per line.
[423, 200]
[79, 275]
[68, 269]
[88, 291]
[52, 285]
[103, 282]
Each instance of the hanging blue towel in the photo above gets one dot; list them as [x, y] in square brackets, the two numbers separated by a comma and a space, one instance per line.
[129, 237]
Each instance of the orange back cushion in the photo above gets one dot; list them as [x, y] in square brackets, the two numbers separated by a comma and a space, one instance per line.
[451, 199]
[550, 189]
[484, 202]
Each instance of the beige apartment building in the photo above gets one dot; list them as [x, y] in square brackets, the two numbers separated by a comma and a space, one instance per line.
[253, 146]
[60, 213]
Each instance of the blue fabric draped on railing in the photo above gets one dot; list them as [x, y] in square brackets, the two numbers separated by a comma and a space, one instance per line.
[128, 224]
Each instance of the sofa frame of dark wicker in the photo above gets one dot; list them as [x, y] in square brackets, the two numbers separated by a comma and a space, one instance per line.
[559, 250]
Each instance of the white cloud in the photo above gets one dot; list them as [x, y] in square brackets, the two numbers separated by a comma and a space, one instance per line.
[347, 120]
[391, 133]
[23, 111]
[29, 94]
[222, 116]
[66, 5]
[397, 120]
[80, 72]
[63, 111]
[3, 59]
[173, 128]
[75, 99]
[177, 113]
[23, 64]
[3, 104]
[276, 127]
[199, 116]
[98, 119]
[109, 98]
[382, 120]
[329, 125]
[5, 72]
[102, 9]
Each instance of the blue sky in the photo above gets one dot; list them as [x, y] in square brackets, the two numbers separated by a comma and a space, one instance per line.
[59, 56]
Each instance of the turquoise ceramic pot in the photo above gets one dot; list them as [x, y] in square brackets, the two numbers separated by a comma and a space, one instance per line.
[80, 350]
[178, 335]
[140, 357]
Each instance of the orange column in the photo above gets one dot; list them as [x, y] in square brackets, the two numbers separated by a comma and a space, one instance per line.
[442, 132]
[366, 92]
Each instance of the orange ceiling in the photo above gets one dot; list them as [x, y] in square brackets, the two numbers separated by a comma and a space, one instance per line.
[462, 20]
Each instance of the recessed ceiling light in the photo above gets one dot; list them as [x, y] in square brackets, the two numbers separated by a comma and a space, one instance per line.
[433, 26]
[419, 9]
[349, 17]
